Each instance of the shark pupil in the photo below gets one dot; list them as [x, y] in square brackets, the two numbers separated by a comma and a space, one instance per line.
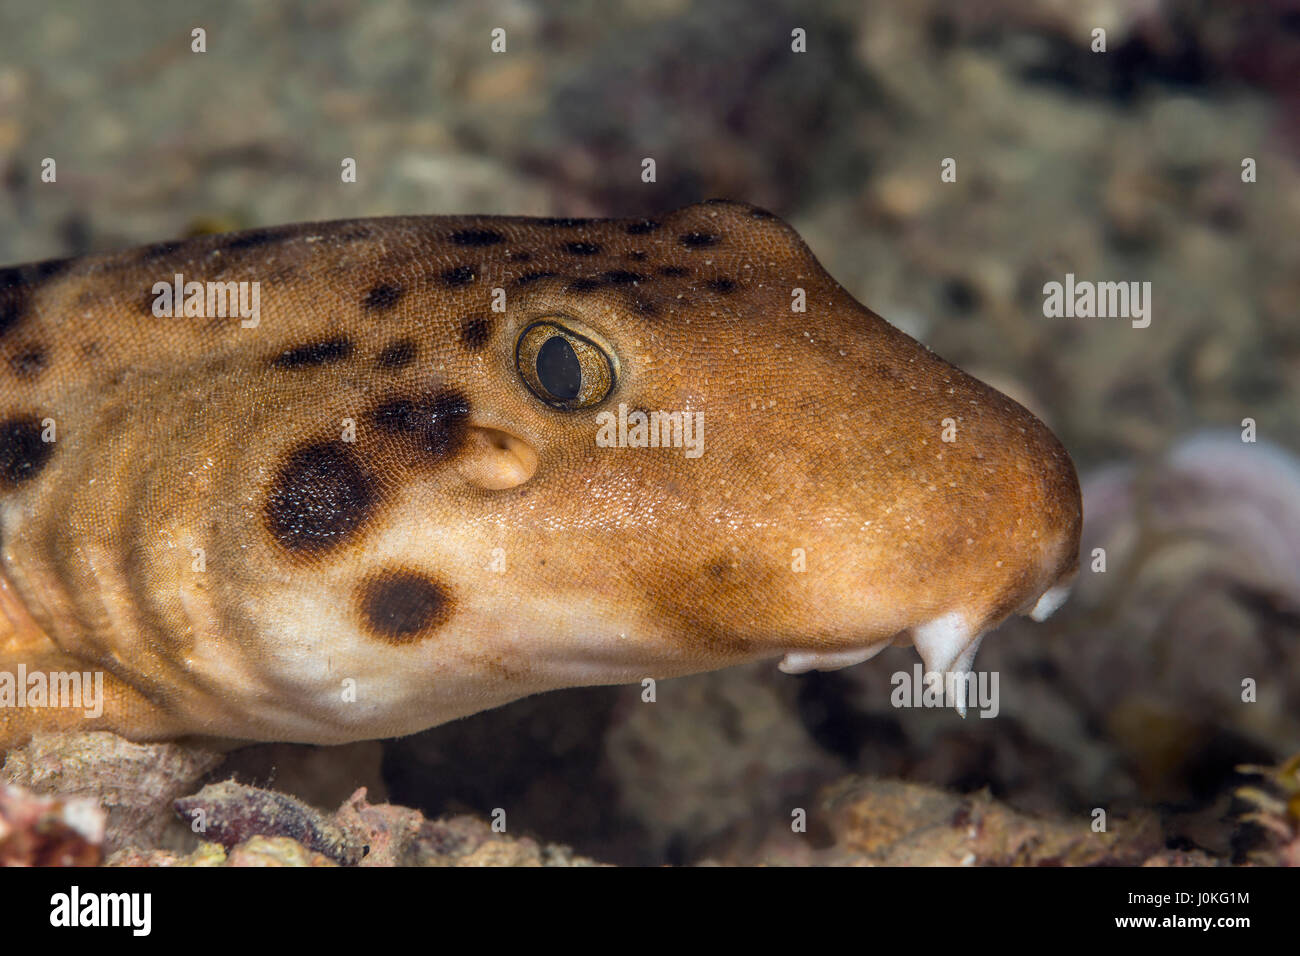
[558, 368]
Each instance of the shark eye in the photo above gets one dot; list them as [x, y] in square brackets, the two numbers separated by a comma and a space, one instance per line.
[564, 368]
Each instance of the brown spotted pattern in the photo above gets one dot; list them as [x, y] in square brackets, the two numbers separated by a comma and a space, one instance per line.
[400, 606]
[320, 497]
[361, 486]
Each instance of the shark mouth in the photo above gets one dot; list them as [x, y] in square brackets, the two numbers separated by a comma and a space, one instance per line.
[947, 644]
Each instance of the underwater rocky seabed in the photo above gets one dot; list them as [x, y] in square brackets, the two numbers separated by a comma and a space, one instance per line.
[1125, 167]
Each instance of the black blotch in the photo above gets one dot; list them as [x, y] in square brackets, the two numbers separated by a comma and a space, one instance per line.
[13, 305]
[147, 303]
[584, 285]
[645, 306]
[475, 331]
[528, 277]
[758, 213]
[159, 250]
[583, 248]
[436, 425]
[698, 240]
[320, 497]
[477, 237]
[622, 277]
[721, 286]
[398, 355]
[22, 453]
[49, 267]
[675, 272]
[519, 256]
[461, 275]
[256, 237]
[384, 296]
[11, 277]
[354, 234]
[563, 222]
[17, 284]
[399, 605]
[316, 353]
[641, 227]
[29, 362]
[636, 256]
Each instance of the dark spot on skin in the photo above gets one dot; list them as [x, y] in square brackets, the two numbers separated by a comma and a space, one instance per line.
[317, 353]
[434, 425]
[757, 213]
[675, 272]
[475, 331]
[147, 304]
[320, 497]
[636, 256]
[721, 286]
[383, 296]
[159, 250]
[645, 306]
[401, 605]
[48, 268]
[698, 240]
[477, 237]
[528, 277]
[17, 284]
[28, 363]
[641, 227]
[398, 355]
[519, 256]
[552, 221]
[256, 237]
[583, 248]
[353, 235]
[584, 285]
[461, 275]
[13, 305]
[622, 277]
[22, 453]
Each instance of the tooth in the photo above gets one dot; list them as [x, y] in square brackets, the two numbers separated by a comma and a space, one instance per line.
[800, 662]
[1050, 600]
[947, 647]
[965, 664]
[941, 641]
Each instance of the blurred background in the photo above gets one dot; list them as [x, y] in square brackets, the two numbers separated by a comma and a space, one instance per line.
[1124, 165]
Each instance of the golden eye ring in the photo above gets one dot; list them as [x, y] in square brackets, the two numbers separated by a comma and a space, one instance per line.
[564, 367]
